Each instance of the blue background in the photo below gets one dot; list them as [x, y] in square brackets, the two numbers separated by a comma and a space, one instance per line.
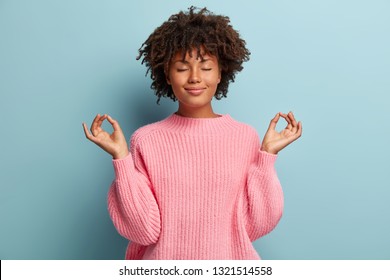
[62, 62]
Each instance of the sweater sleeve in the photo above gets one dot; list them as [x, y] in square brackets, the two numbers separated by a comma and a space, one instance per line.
[131, 202]
[263, 198]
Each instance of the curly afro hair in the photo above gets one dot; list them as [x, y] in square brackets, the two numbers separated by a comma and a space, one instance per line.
[185, 31]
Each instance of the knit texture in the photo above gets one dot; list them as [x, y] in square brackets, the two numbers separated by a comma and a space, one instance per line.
[195, 188]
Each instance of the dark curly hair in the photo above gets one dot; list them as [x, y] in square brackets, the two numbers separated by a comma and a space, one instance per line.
[185, 31]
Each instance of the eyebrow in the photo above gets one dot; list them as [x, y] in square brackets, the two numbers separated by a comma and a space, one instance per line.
[187, 62]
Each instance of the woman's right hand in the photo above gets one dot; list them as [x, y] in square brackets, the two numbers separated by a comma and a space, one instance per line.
[115, 143]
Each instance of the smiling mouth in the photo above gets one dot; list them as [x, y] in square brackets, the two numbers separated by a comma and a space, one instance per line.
[195, 91]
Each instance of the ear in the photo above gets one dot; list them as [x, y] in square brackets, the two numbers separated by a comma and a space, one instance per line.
[166, 73]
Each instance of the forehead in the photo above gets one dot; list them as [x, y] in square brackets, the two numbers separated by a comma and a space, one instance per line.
[194, 54]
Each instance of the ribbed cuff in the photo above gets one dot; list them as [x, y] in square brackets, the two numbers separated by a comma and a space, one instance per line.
[123, 165]
[266, 160]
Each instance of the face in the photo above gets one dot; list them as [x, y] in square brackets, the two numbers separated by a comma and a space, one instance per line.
[194, 82]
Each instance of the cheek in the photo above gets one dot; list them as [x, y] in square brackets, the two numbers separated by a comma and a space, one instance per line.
[175, 79]
[214, 79]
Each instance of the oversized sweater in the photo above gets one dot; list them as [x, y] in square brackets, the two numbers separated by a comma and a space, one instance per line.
[195, 188]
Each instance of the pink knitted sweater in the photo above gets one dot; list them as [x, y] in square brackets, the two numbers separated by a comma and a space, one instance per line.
[195, 188]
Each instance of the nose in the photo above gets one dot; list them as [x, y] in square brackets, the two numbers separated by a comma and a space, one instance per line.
[194, 77]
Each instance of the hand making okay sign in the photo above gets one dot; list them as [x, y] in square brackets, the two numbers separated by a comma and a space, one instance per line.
[115, 143]
[274, 141]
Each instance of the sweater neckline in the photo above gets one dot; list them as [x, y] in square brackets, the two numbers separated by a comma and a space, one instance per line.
[179, 123]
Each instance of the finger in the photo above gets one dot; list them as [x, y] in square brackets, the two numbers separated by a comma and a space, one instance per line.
[101, 120]
[94, 122]
[114, 123]
[88, 133]
[274, 122]
[293, 122]
[298, 133]
[98, 125]
[292, 119]
[287, 119]
[289, 122]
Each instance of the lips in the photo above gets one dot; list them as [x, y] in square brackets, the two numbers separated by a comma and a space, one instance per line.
[195, 91]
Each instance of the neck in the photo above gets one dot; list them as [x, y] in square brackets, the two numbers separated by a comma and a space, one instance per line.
[196, 112]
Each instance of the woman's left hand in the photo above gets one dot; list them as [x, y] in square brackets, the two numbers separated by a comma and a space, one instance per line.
[274, 141]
